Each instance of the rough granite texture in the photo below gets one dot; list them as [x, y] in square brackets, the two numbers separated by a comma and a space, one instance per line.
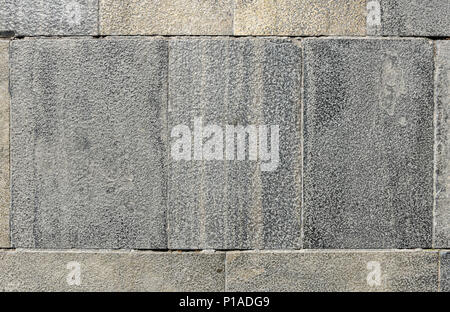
[442, 158]
[88, 143]
[282, 271]
[166, 17]
[368, 143]
[233, 204]
[300, 17]
[445, 271]
[111, 271]
[4, 144]
[415, 18]
[49, 18]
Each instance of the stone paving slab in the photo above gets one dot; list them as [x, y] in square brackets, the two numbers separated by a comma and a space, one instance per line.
[299, 17]
[442, 157]
[166, 17]
[49, 18]
[221, 203]
[368, 143]
[4, 143]
[111, 271]
[88, 143]
[280, 271]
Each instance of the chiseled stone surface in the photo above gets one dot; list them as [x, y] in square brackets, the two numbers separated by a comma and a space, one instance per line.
[442, 158]
[4, 144]
[88, 143]
[300, 17]
[235, 204]
[49, 18]
[111, 271]
[415, 18]
[445, 271]
[332, 271]
[368, 143]
[166, 17]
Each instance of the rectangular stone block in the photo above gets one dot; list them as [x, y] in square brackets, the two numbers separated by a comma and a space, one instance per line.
[224, 195]
[49, 18]
[166, 17]
[442, 152]
[445, 271]
[414, 18]
[68, 271]
[300, 17]
[4, 143]
[368, 153]
[348, 271]
[88, 143]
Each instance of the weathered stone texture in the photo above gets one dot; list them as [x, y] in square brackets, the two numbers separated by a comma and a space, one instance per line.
[415, 18]
[88, 143]
[332, 271]
[111, 271]
[166, 17]
[445, 271]
[300, 17]
[368, 153]
[442, 157]
[49, 18]
[224, 204]
[4, 143]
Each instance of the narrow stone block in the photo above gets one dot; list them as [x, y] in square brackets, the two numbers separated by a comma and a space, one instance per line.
[368, 154]
[166, 17]
[49, 18]
[246, 200]
[332, 271]
[88, 143]
[39, 271]
[300, 17]
[442, 152]
[4, 143]
[414, 18]
[445, 271]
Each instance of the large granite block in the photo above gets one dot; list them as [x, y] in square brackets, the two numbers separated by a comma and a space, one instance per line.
[332, 271]
[49, 18]
[442, 152]
[300, 17]
[166, 17]
[445, 271]
[88, 143]
[368, 143]
[234, 200]
[414, 18]
[111, 271]
[4, 143]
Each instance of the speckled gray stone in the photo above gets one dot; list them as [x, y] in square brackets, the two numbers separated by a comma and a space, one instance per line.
[368, 143]
[442, 156]
[445, 271]
[49, 18]
[332, 271]
[111, 271]
[4, 143]
[234, 204]
[415, 18]
[88, 143]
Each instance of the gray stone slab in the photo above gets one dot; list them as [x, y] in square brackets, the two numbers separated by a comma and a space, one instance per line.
[415, 18]
[442, 152]
[332, 271]
[368, 143]
[88, 143]
[235, 204]
[445, 271]
[49, 18]
[4, 143]
[111, 271]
